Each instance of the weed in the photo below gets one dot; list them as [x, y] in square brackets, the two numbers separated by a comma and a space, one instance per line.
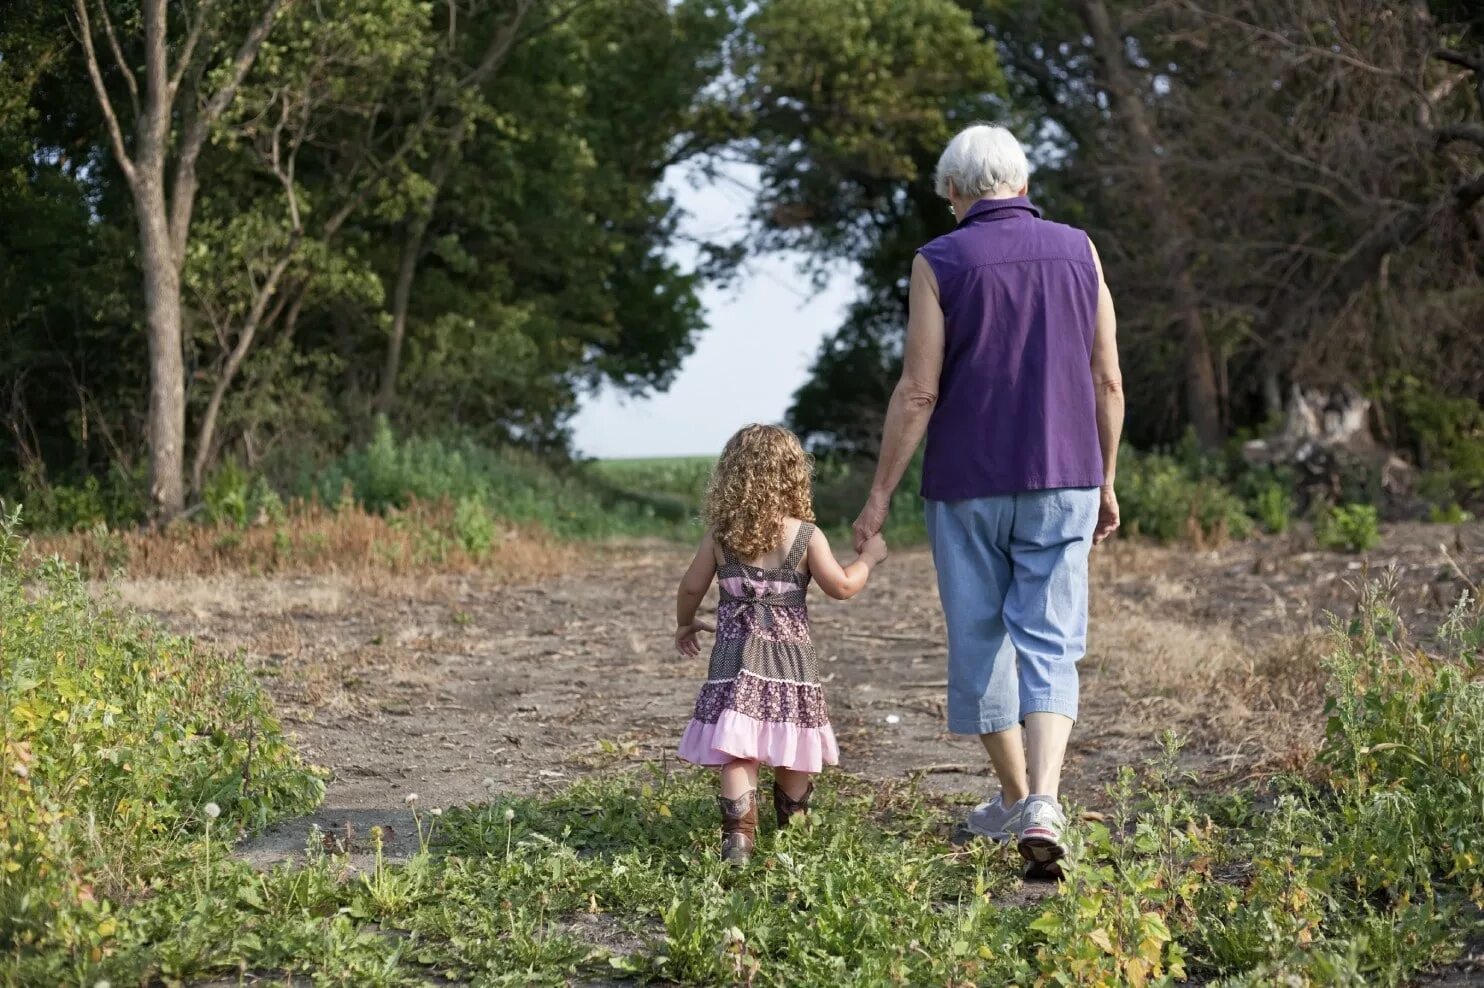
[1349, 528]
[1165, 498]
[122, 746]
[1272, 506]
[1451, 514]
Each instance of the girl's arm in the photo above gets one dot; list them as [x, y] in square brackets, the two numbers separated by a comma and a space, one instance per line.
[693, 587]
[843, 582]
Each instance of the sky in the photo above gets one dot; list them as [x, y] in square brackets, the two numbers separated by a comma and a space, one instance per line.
[761, 336]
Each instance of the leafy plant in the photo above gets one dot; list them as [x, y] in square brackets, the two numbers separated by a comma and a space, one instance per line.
[116, 741]
[1451, 514]
[1349, 528]
[1273, 507]
[1167, 498]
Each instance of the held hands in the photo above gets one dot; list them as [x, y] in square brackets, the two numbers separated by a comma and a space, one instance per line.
[873, 550]
[686, 642]
[870, 522]
[1107, 516]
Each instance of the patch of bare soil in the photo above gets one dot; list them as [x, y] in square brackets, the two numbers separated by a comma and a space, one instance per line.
[458, 687]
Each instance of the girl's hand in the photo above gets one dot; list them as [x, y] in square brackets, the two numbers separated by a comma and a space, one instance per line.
[686, 642]
[873, 550]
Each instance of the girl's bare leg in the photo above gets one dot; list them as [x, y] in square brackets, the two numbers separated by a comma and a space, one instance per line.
[793, 782]
[738, 777]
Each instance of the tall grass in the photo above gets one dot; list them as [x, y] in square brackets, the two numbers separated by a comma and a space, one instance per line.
[571, 501]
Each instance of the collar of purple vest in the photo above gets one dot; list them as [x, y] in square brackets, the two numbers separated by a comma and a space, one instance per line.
[989, 210]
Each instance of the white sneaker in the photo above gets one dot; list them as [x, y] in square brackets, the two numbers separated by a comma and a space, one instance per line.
[994, 820]
[1041, 825]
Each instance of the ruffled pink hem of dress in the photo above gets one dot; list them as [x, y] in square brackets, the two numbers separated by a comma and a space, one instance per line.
[779, 745]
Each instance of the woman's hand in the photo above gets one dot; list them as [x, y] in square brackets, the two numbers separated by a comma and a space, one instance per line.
[1107, 516]
[871, 520]
[686, 642]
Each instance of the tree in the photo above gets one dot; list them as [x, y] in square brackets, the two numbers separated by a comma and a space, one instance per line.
[173, 109]
[1173, 241]
[844, 109]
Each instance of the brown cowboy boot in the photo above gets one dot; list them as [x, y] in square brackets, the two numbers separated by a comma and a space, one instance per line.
[786, 807]
[738, 827]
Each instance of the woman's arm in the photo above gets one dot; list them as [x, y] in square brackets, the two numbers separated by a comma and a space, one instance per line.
[843, 582]
[693, 587]
[1107, 382]
[912, 401]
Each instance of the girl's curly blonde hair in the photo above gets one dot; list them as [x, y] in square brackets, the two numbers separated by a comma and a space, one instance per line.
[762, 478]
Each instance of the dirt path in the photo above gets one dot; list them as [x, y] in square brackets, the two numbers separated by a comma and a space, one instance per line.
[455, 688]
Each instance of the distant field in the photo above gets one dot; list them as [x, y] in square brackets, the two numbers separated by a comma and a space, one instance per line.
[668, 488]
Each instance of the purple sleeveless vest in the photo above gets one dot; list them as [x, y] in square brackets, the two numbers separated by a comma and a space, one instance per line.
[1015, 408]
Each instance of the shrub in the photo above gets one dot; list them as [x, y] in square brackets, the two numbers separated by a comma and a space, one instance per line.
[1349, 528]
[1448, 435]
[1273, 507]
[115, 737]
[113, 498]
[1452, 514]
[1165, 500]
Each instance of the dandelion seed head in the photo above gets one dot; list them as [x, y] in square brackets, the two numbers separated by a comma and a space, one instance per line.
[509, 814]
[411, 798]
[212, 810]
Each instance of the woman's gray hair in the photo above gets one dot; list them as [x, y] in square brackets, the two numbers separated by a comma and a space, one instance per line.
[982, 160]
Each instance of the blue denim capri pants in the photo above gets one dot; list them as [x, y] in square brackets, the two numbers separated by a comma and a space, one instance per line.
[1012, 576]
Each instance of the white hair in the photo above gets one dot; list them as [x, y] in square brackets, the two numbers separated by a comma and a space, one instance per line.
[982, 160]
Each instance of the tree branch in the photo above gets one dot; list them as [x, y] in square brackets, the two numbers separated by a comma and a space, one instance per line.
[118, 56]
[115, 133]
[1468, 133]
[184, 193]
[1473, 64]
[501, 43]
[1460, 59]
[188, 51]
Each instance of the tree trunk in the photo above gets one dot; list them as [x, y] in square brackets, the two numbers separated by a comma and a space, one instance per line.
[166, 425]
[1202, 394]
[161, 262]
[412, 249]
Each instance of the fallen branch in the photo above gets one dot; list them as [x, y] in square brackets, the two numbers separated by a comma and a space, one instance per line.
[1443, 548]
[871, 636]
[949, 768]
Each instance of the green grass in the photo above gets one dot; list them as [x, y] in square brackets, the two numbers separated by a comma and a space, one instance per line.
[572, 501]
[1364, 869]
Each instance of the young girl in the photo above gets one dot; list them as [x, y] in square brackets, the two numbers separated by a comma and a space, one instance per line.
[762, 702]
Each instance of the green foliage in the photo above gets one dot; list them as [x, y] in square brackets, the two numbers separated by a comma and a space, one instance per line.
[1451, 514]
[112, 499]
[1348, 528]
[234, 497]
[1447, 435]
[114, 738]
[1166, 497]
[1273, 507]
[571, 501]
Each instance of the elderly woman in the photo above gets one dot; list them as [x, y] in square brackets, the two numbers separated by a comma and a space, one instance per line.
[1011, 370]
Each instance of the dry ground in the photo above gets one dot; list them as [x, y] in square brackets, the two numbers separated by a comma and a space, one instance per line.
[459, 686]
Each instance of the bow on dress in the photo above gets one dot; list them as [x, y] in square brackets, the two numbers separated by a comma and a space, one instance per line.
[758, 602]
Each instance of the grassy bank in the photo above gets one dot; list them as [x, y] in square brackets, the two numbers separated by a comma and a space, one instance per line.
[127, 759]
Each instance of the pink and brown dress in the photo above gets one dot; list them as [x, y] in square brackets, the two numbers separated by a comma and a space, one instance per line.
[762, 699]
